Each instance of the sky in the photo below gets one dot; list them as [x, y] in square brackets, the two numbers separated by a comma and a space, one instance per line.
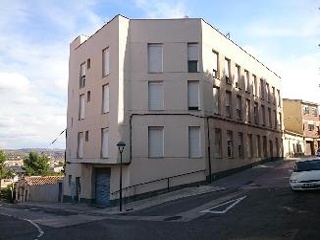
[35, 37]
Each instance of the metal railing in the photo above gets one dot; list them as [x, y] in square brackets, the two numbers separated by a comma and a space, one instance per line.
[158, 180]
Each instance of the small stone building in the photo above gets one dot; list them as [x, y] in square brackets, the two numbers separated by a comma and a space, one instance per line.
[39, 189]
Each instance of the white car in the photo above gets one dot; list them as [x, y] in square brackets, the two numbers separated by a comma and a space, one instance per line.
[306, 175]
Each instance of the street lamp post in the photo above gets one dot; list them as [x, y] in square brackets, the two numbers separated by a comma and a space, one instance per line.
[121, 146]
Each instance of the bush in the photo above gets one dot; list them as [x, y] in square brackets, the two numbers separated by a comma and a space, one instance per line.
[7, 193]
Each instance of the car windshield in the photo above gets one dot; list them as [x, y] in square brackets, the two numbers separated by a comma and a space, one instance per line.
[307, 166]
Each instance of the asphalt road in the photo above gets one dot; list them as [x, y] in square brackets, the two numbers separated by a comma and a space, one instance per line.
[255, 205]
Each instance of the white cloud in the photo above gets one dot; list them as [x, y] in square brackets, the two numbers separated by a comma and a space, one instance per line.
[34, 68]
[162, 9]
[300, 77]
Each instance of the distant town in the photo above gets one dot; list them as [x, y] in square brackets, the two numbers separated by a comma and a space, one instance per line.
[15, 157]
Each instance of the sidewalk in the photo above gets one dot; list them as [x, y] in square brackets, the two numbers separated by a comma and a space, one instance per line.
[232, 182]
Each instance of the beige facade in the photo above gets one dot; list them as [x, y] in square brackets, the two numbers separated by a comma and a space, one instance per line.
[188, 102]
[301, 121]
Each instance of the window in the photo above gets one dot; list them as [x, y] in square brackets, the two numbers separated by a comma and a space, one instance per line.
[105, 62]
[274, 95]
[265, 150]
[263, 115]
[217, 143]
[315, 112]
[227, 70]
[280, 121]
[256, 113]
[105, 96]
[88, 63]
[80, 144]
[155, 58]
[69, 180]
[261, 89]
[155, 95]
[215, 61]
[248, 112]
[155, 142]
[81, 107]
[230, 144]
[250, 146]
[193, 95]
[268, 92]
[271, 148]
[258, 146]
[82, 78]
[86, 136]
[239, 107]
[275, 119]
[254, 85]
[88, 96]
[310, 127]
[228, 104]
[105, 143]
[269, 117]
[237, 75]
[194, 142]
[216, 100]
[279, 98]
[192, 57]
[277, 147]
[246, 81]
[240, 145]
[305, 110]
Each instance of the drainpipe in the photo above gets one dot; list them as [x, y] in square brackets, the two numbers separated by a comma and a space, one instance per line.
[209, 157]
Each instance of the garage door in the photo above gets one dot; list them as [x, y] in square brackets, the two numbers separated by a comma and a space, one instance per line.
[102, 186]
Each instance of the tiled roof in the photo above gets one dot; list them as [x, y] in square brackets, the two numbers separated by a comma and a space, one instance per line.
[38, 180]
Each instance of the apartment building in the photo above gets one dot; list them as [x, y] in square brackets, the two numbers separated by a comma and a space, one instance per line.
[189, 103]
[301, 123]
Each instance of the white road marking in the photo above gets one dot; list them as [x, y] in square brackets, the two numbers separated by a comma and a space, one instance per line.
[37, 227]
[228, 203]
[41, 232]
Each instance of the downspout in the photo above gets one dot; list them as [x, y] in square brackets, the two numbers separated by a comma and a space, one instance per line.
[209, 157]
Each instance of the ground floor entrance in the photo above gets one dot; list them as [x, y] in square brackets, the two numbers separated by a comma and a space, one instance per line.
[102, 186]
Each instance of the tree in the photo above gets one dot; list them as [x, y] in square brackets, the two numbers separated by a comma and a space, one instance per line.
[3, 170]
[36, 165]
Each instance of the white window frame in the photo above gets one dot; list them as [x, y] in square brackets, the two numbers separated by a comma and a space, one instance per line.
[80, 144]
[193, 95]
[104, 142]
[254, 85]
[263, 115]
[227, 70]
[240, 145]
[82, 102]
[228, 104]
[106, 62]
[250, 145]
[82, 80]
[105, 98]
[248, 111]
[217, 143]
[237, 75]
[155, 96]
[229, 144]
[216, 100]
[155, 57]
[194, 142]
[155, 141]
[239, 107]
[193, 55]
[215, 62]
[246, 81]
